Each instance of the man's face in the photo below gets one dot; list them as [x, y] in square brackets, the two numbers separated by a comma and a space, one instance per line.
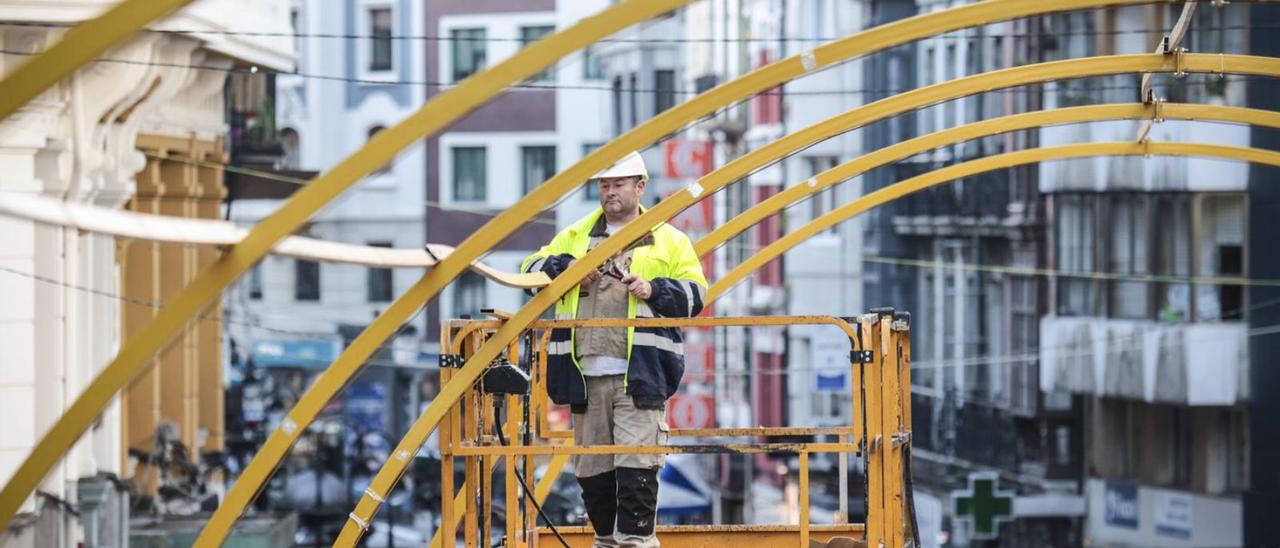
[620, 195]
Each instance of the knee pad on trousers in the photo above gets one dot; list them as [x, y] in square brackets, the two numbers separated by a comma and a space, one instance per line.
[600, 496]
[637, 500]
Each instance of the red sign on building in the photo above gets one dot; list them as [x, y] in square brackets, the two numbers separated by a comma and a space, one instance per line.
[691, 411]
[686, 159]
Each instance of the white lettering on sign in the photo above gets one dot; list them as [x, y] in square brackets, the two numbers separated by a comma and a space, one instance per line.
[1173, 514]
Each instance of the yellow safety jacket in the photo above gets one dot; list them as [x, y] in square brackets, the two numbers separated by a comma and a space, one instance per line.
[655, 355]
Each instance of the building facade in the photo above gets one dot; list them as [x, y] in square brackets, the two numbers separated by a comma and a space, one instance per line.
[975, 397]
[1160, 371]
[288, 318]
[144, 132]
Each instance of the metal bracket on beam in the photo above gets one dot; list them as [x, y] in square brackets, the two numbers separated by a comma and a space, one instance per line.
[1157, 115]
[1170, 44]
[900, 439]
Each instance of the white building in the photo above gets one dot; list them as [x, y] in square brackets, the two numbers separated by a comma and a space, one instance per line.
[115, 134]
[321, 121]
[492, 157]
[824, 274]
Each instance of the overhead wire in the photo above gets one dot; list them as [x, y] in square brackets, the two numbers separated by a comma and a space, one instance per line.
[315, 335]
[535, 85]
[300, 182]
[972, 34]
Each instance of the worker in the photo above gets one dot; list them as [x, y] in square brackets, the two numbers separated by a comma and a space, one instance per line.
[617, 380]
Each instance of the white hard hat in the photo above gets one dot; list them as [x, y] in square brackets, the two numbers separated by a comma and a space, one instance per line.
[630, 165]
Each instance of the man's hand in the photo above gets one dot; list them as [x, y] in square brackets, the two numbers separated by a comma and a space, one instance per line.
[638, 286]
[591, 278]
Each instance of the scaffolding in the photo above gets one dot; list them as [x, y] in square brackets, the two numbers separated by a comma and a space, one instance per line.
[879, 434]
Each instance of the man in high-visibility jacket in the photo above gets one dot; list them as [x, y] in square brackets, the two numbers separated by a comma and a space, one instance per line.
[617, 380]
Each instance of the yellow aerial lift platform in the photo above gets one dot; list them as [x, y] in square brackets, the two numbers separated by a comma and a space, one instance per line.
[502, 420]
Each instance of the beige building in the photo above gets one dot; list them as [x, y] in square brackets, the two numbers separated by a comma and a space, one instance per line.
[142, 129]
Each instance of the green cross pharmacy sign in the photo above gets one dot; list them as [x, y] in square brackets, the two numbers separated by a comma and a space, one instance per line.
[983, 506]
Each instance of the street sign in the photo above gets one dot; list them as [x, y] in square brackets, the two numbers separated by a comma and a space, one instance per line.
[830, 359]
[692, 411]
[686, 158]
[983, 506]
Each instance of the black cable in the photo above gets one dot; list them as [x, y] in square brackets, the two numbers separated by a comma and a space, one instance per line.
[679, 92]
[775, 39]
[909, 487]
[497, 427]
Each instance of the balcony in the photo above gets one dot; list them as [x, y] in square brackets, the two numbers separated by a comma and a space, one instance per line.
[988, 204]
[256, 142]
[1197, 364]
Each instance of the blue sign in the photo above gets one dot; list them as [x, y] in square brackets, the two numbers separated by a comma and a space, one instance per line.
[366, 406]
[1121, 505]
[831, 381]
[295, 353]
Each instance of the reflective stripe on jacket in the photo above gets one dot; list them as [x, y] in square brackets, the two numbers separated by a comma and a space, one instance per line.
[655, 355]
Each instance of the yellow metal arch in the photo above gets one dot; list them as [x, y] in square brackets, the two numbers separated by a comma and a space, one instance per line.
[740, 167]
[494, 231]
[973, 167]
[209, 283]
[77, 47]
[1003, 124]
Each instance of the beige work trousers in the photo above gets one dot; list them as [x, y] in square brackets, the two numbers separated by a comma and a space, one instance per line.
[613, 419]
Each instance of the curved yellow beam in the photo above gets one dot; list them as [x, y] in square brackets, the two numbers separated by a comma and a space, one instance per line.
[738, 168]
[1004, 124]
[497, 229]
[185, 230]
[209, 283]
[77, 47]
[974, 167]
[439, 112]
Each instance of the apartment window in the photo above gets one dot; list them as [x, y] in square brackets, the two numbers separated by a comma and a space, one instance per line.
[592, 68]
[952, 62]
[1129, 243]
[664, 84]
[635, 109]
[617, 106]
[529, 35]
[255, 282]
[468, 52]
[469, 295]
[1172, 256]
[380, 50]
[1117, 446]
[539, 165]
[384, 168]
[1220, 253]
[766, 108]
[928, 121]
[306, 280]
[973, 65]
[825, 201]
[295, 25]
[290, 145]
[591, 192]
[1024, 340]
[1076, 248]
[470, 182]
[1163, 234]
[378, 281]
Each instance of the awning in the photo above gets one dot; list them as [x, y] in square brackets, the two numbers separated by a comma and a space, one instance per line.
[682, 490]
[313, 354]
